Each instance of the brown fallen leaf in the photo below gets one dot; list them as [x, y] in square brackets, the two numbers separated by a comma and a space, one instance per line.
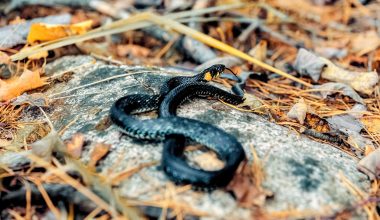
[370, 165]
[47, 32]
[259, 52]
[298, 111]
[247, 193]
[15, 86]
[98, 152]
[365, 42]
[313, 121]
[75, 145]
[45, 147]
[133, 50]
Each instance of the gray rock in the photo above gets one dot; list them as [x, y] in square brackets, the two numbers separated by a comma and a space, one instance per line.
[302, 174]
[22, 3]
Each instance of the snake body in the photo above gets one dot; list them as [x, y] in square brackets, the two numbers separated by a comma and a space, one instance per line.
[175, 130]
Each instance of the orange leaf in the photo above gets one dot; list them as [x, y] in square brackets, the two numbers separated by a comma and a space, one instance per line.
[99, 151]
[75, 145]
[4, 58]
[15, 86]
[47, 32]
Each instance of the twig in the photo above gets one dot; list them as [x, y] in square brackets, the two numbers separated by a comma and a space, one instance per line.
[216, 44]
[132, 23]
[97, 82]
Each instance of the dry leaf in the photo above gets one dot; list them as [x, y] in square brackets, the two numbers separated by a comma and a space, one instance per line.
[251, 101]
[345, 123]
[75, 145]
[358, 110]
[360, 81]
[132, 50]
[311, 65]
[316, 123]
[259, 52]
[298, 111]
[15, 86]
[308, 64]
[20, 31]
[357, 141]
[45, 147]
[365, 42]
[370, 165]
[331, 88]
[47, 32]
[98, 152]
[372, 124]
[245, 191]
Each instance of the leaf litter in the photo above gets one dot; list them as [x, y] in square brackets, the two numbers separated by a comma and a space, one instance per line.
[332, 91]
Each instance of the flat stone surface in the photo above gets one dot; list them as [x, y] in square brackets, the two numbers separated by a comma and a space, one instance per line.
[302, 174]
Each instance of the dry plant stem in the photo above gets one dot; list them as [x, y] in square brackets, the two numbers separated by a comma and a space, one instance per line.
[132, 23]
[116, 178]
[139, 21]
[47, 199]
[28, 214]
[97, 82]
[257, 168]
[216, 44]
[104, 191]
[369, 209]
[15, 215]
[74, 183]
[93, 214]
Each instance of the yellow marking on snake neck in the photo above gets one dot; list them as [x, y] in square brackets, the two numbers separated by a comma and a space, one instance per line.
[208, 76]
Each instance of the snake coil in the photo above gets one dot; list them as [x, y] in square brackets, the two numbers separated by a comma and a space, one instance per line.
[175, 130]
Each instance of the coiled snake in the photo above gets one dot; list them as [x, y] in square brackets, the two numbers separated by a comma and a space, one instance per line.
[174, 130]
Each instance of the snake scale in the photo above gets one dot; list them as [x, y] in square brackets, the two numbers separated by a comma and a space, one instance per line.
[175, 130]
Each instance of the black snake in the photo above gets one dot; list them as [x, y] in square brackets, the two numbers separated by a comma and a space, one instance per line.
[175, 130]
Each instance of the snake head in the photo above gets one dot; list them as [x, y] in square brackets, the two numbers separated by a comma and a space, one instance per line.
[213, 72]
